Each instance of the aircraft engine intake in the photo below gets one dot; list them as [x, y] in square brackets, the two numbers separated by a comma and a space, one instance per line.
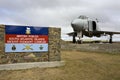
[92, 26]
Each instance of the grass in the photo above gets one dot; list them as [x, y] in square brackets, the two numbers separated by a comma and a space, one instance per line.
[79, 66]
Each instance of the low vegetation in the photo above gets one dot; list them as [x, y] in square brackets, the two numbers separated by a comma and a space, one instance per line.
[79, 66]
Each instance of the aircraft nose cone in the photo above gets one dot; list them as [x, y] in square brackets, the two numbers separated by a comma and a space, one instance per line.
[77, 25]
[74, 23]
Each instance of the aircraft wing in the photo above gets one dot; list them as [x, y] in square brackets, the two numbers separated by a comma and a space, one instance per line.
[95, 32]
[71, 34]
[106, 32]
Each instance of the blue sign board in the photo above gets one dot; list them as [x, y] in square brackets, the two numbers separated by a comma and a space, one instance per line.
[26, 39]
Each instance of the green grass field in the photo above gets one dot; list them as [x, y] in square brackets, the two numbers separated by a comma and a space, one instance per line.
[79, 66]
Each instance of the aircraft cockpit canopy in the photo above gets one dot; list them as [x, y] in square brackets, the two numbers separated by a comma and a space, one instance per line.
[83, 17]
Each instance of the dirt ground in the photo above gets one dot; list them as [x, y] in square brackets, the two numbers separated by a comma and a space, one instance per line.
[79, 66]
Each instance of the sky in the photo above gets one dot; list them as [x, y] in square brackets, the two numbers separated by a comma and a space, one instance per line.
[60, 13]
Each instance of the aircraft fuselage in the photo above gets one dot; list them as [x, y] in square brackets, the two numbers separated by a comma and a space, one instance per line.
[85, 25]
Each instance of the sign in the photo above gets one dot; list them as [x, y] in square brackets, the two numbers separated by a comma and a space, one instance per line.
[26, 39]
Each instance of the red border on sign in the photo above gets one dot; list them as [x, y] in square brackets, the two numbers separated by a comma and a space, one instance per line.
[13, 38]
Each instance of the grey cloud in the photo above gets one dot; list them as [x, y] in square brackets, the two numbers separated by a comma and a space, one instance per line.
[60, 12]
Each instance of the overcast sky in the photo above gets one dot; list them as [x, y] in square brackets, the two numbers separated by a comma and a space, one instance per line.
[60, 13]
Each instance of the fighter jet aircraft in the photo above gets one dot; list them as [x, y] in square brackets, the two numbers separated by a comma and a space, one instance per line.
[88, 27]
